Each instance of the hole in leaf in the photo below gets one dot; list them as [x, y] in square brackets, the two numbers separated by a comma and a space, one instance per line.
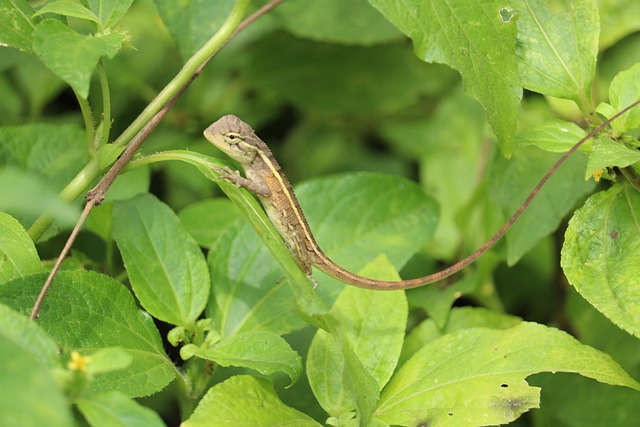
[506, 14]
[504, 385]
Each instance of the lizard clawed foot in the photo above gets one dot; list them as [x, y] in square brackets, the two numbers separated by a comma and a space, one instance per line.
[228, 174]
[315, 284]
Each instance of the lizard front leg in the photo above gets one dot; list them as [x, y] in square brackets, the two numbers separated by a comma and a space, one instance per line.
[258, 187]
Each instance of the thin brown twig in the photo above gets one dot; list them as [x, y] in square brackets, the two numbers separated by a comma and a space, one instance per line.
[96, 195]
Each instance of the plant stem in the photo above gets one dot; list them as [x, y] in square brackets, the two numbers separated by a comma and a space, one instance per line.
[137, 132]
[106, 106]
[187, 73]
[68, 194]
[87, 116]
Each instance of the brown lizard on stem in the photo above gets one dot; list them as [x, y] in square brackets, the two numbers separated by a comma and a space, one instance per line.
[265, 178]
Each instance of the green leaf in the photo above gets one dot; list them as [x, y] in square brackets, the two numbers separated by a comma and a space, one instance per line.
[113, 408]
[29, 395]
[28, 337]
[109, 11]
[557, 47]
[477, 376]
[460, 318]
[109, 359]
[624, 91]
[130, 184]
[600, 252]
[371, 330]
[307, 303]
[608, 153]
[617, 19]
[336, 21]
[356, 217]
[450, 147]
[55, 151]
[40, 161]
[18, 255]
[593, 328]
[73, 56]
[166, 268]
[16, 25]
[512, 181]
[245, 401]
[482, 52]
[241, 265]
[38, 85]
[553, 135]
[30, 196]
[262, 351]
[309, 74]
[67, 8]
[86, 311]
[191, 22]
[362, 386]
[207, 220]
[108, 154]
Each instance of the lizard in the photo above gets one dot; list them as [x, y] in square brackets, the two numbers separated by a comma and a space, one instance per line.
[265, 178]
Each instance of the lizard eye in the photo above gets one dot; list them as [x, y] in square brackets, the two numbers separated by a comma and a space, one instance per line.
[232, 138]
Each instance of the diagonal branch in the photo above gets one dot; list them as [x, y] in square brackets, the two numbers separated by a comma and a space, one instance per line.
[96, 195]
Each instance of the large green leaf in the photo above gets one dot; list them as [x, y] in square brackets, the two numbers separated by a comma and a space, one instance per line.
[18, 255]
[449, 144]
[477, 376]
[71, 55]
[553, 135]
[29, 337]
[600, 255]
[54, 151]
[166, 267]
[68, 8]
[207, 220]
[474, 39]
[86, 312]
[262, 351]
[617, 19]
[248, 291]
[347, 368]
[310, 74]
[357, 217]
[193, 22]
[113, 408]
[28, 196]
[460, 318]
[29, 395]
[244, 401]
[16, 25]
[336, 21]
[557, 47]
[512, 181]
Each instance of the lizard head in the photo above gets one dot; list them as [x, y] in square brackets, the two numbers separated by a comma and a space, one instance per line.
[234, 137]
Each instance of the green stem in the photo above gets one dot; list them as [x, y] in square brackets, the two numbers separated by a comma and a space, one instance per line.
[187, 72]
[106, 105]
[69, 193]
[85, 108]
